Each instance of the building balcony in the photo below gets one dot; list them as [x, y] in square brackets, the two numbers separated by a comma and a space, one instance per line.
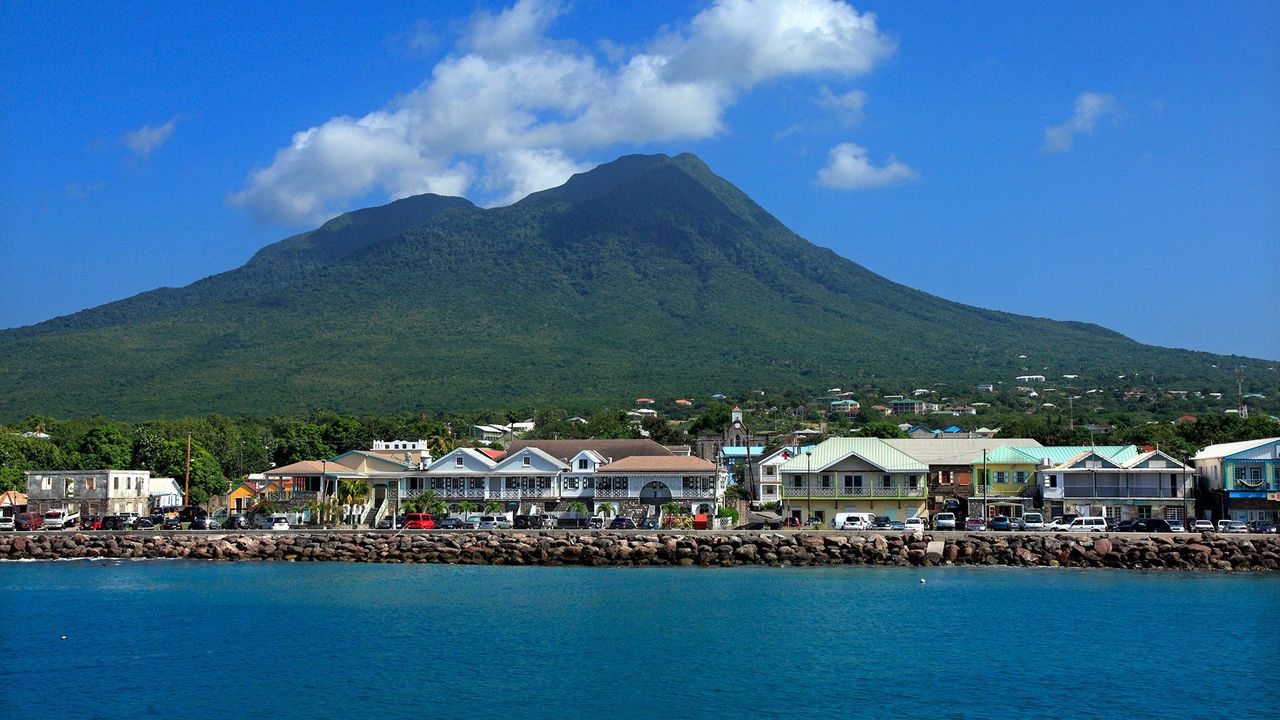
[1117, 491]
[854, 492]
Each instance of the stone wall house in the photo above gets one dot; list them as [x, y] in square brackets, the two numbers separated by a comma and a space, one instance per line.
[88, 492]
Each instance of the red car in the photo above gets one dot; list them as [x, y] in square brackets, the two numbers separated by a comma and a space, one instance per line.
[419, 521]
[28, 521]
[792, 521]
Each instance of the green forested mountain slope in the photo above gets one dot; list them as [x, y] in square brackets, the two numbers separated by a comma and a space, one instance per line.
[648, 275]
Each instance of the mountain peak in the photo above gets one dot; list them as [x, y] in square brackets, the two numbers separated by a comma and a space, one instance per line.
[602, 179]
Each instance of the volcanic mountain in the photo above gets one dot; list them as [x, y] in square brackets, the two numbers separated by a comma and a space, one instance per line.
[647, 275]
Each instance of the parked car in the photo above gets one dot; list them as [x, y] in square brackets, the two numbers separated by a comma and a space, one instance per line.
[1222, 525]
[1262, 526]
[974, 524]
[571, 521]
[1153, 525]
[61, 520]
[1235, 526]
[130, 518]
[273, 522]
[235, 522]
[881, 522]
[191, 512]
[171, 523]
[944, 521]
[532, 522]
[622, 522]
[1032, 521]
[388, 522]
[1061, 522]
[1126, 525]
[1176, 526]
[114, 522]
[453, 523]
[142, 523]
[791, 522]
[1201, 526]
[205, 522]
[914, 524]
[87, 522]
[897, 526]
[419, 521]
[652, 524]
[494, 522]
[7, 523]
[28, 521]
[596, 522]
[1000, 522]
[1088, 524]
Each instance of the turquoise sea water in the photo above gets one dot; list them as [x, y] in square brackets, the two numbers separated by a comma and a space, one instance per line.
[185, 639]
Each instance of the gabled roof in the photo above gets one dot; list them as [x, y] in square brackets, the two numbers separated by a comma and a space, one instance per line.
[1055, 454]
[1148, 455]
[492, 453]
[790, 450]
[566, 450]
[1223, 450]
[446, 461]
[591, 455]
[657, 463]
[513, 460]
[12, 497]
[873, 450]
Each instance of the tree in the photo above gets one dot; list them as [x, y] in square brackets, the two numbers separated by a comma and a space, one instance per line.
[883, 430]
[716, 417]
[352, 492]
[466, 507]
[577, 507]
[300, 441]
[493, 507]
[606, 510]
[671, 507]
[105, 448]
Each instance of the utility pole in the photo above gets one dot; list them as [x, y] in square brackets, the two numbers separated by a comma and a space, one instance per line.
[186, 491]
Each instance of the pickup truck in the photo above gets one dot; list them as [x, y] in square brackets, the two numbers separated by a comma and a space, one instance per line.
[61, 519]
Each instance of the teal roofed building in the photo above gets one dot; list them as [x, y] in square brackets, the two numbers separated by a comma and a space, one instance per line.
[853, 475]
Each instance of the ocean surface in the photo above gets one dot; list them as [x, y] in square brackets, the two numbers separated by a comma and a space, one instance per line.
[178, 639]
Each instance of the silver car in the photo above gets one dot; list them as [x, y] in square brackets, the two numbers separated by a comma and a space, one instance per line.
[6, 523]
[494, 522]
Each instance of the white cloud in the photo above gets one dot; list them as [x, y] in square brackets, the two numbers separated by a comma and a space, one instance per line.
[849, 168]
[146, 139]
[512, 111]
[848, 107]
[1090, 108]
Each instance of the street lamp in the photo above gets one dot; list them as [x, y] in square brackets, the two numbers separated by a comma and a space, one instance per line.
[808, 485]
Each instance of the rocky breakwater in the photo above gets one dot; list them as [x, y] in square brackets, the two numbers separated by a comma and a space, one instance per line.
[724, 548]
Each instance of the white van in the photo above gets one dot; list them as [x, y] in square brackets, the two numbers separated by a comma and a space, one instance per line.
[944, 521]
[1032, 521]
[852, 521]
[1088, 524]
[273, 522]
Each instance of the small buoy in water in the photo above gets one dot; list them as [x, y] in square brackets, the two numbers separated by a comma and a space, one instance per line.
[64, 637]
[921, 581]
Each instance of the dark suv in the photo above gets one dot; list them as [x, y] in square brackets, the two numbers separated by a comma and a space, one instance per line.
[622, 522]
[1151, 525]
[114, 522]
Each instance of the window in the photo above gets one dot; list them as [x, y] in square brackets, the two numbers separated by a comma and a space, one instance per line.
[1239, 473]
[1020, 476]
[115, 483]
[848, 481]
[582, 463]
[91, 484]
[1144, 512]
[826, 481]
[571, 483]
[1255, 473]
[457, 461]
[1051, 481]
[1173, 513]
[46, 483]
[886, 481]
[770, 470]
[1111, 512]
[795, 481]
[857, 481]
[944, 477]
[524, 461]
[913, 481]
[1000, 476]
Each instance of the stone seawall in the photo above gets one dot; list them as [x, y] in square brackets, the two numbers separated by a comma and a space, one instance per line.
[607, 548]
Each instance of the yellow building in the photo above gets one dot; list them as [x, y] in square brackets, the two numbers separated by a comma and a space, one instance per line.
[853, 475]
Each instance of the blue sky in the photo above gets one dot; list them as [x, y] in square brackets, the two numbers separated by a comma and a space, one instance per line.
[1116, 163]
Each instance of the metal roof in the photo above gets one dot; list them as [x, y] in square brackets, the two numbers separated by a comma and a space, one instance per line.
[954, 451]
[873, 450]
[1010, 455]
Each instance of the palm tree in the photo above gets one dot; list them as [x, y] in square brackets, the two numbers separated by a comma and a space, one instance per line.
[577, 507]
[432, 503]
[605, 509]
[352, 492]
[671, 508]
[493, 507]
[466, 508]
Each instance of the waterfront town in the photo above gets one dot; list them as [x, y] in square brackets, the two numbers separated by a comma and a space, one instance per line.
[938, 479]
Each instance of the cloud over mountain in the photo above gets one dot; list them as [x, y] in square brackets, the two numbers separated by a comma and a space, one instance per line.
[512, 110]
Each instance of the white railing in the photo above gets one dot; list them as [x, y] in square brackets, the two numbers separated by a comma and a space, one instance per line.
[613, 493]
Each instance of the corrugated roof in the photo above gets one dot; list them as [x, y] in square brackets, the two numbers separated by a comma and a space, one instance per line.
[302, 467]
[873, 450]
[1222, 450]
[953, 451]
[1056, 454]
